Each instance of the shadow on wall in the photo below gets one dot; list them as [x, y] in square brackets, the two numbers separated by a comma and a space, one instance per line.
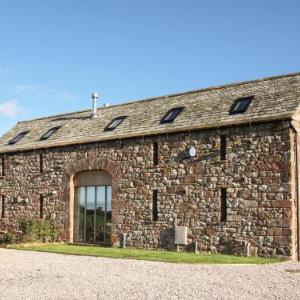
[167, 239]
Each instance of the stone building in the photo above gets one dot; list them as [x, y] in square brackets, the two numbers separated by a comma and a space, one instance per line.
[223, 161]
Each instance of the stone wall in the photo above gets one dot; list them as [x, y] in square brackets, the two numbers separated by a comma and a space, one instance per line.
[257, 175]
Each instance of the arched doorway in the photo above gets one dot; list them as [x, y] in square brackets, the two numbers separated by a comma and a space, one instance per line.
[92, 207]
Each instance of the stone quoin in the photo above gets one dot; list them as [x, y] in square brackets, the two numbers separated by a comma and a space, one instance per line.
[128, 173]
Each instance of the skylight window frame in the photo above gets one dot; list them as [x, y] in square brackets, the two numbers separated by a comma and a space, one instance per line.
[18, 137]
[49, 133]
[234, 109]
[176, 111]
[119, 121]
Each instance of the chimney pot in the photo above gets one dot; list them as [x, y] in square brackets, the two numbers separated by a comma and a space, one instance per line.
[95, 97]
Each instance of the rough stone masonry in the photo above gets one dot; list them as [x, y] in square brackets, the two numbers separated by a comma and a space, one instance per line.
[256, 174]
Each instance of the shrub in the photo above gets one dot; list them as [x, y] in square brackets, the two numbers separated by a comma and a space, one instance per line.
[49, 231]
[30, 229]
[39, 230]
[8, 238]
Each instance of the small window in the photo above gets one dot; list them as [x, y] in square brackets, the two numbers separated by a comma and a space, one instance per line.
[223, 209]
[114, 123]
[3, 207]
[49, 133]
[171, 115]
[155, 153]
[154, 206]
[41, 163]
[223, 146]
[17, 137]
[240, 105]
[41, 206]
[3, 166]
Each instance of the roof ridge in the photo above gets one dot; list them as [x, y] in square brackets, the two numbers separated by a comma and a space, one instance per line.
[216, 87]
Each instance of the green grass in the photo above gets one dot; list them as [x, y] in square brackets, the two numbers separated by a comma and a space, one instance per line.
[153, 255]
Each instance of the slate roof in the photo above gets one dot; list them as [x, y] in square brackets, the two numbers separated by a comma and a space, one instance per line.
[274, 98]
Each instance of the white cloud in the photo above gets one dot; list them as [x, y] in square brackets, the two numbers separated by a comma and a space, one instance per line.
[44, 91]
[11, 108]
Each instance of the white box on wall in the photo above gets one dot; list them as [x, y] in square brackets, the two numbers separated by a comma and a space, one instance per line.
[180, 235]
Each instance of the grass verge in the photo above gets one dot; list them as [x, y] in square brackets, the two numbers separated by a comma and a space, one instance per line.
[153, 255]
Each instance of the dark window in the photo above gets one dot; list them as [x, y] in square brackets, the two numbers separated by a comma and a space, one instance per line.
[41, 163]
[41, 206]
[223, 146]
[155, 153]
[154, 206]
[3, 166]
[171, 115]
[3, 207]
[114, 123]
[17, 137]
[49, 133]
[223, 205]
[240, 105]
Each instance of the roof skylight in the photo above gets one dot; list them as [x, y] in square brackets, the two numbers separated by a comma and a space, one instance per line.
[18, 137]
[49, 133]
[114, 123]
[171, 115]
[240, 105]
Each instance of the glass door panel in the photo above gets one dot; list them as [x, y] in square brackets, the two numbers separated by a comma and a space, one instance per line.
[100, 214]
[80, 214]
[108, 212]
[108, 204]
[90, 214]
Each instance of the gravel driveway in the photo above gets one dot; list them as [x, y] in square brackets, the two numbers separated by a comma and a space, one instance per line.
[33, 275]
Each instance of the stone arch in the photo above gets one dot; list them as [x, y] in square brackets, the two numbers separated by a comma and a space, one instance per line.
[83, 165]
[88, 164]
[92, 178]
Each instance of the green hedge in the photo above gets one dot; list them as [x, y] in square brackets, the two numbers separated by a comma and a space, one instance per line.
[32, 230]
[39, 230]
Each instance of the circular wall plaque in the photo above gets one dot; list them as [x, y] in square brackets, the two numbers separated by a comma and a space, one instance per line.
[192, 151]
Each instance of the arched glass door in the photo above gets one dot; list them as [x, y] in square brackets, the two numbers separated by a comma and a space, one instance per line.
[92, 214]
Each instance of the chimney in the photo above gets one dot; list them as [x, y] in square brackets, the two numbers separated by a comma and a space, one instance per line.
[94, 112]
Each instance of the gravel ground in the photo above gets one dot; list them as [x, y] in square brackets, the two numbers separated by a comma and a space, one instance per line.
[33, 275]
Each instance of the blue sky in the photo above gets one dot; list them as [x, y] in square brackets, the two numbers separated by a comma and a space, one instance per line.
[53, 54]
